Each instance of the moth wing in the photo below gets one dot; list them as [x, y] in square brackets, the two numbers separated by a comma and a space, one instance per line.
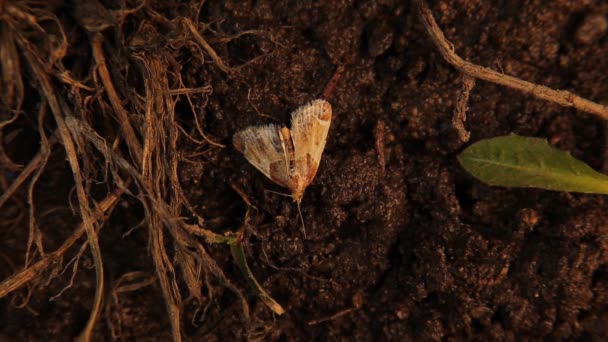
[262, 147]
[309, 127]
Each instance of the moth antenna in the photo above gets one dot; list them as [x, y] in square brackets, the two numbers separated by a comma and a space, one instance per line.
[278, 193]
[302, 220]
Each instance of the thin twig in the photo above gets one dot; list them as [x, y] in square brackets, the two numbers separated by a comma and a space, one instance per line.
[163, 212]
[446, 49]
[5, 160]
[207, 90]
[331, 85]
[460, 111]
[199, 39]
[380, 133]
[157, 157]
[18, 280]
[59, 113]
[45, 151]
[25, 173]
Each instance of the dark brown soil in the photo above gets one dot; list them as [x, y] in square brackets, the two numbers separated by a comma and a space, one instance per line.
[401, 243]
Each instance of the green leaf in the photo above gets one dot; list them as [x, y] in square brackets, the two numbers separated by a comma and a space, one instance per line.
[516, 161]
[236, 248]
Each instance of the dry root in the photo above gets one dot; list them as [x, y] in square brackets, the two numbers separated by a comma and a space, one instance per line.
[108, 133]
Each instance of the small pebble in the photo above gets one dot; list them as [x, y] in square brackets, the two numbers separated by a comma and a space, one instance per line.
[592, 28]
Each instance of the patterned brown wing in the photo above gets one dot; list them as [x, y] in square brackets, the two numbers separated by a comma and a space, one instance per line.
[262, 147]
[309, 128]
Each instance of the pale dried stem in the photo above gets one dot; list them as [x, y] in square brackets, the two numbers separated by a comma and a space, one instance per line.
[30, 168]
[158, 159]
[20, 279]
[59, 112]
[446, 49]
[195, 113]
[34, 234]
[162, 211]
[123, 117]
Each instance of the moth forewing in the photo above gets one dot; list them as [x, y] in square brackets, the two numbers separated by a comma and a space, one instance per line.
[309, 129]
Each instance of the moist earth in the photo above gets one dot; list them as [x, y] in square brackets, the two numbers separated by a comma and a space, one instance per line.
[401, 243]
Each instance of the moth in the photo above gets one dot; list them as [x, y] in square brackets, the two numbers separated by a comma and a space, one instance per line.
[289, 157]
